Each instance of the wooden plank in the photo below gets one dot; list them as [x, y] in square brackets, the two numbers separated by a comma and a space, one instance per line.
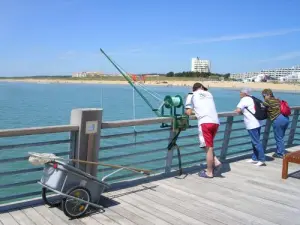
[175, 210]
[35, 216]
[289, 187]
[133, 217]
[48, 215]
[245, 186]
[157, 210]
[117, 217]
[271, 212]
[147, 121]
[62, 216]
[234, 212]
[230, 216]
[100, 217]
[186, 207]
[21, 217]
[236, 194]
[161, 212]
[7, 219]
[247, 169]
[90, 221]
[252, 187]
[37, 130]
[137, 122]
[149, 217]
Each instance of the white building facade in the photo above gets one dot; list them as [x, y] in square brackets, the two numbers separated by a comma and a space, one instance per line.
[294, 77]
[274, 74]
[201, 65]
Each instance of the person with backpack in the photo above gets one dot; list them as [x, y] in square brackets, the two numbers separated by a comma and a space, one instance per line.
[278, 112]
[254, 113]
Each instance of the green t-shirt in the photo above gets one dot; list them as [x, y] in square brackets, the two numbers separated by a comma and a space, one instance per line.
[273, 107]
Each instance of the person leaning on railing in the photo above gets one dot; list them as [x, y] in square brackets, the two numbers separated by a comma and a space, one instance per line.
[202, 103]
[279, 122]
[246, 107]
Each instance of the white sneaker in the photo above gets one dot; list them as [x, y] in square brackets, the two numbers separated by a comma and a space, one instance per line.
[251, 161]
[259, 163]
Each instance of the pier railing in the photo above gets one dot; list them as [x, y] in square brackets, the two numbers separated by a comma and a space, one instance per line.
[138, 143]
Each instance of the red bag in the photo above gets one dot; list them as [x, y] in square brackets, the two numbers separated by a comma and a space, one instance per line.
[284, 108]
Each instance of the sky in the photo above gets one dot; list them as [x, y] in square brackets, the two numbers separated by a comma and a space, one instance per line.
[59, 37]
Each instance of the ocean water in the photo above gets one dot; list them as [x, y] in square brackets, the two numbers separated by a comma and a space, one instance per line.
[40, 104]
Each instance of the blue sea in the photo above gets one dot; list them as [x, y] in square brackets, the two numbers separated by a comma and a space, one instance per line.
[46, 104]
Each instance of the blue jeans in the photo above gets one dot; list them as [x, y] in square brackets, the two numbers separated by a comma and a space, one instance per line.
[280, 124]
[258, 151]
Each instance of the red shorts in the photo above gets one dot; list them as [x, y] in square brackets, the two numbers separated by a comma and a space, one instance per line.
[207, 133]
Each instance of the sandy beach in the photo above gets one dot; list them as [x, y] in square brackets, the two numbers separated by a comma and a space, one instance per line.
[215, 84]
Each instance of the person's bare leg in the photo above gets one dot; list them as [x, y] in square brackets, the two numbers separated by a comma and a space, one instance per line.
[216, 161]
[209, 161]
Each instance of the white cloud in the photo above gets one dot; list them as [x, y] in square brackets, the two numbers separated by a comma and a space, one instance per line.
[285, 56]
[242, 36]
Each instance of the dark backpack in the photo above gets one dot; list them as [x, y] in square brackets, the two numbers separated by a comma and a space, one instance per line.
[260, 109]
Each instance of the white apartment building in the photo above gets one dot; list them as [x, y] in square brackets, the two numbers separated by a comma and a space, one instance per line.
[200, 65]
[275, 73]
[80, 74]
[294, 77]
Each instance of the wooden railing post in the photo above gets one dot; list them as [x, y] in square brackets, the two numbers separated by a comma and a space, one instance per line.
[87, 141]
[226, 139]
[73, 144]
[293, 127]
[266, 134]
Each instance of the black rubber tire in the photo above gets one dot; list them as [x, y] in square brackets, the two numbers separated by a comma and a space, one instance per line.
[65, 202]
[54, 203]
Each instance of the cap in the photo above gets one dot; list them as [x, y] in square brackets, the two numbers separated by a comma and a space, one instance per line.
[246, 91]
[197, 85]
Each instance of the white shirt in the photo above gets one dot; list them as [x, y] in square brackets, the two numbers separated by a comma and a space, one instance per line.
[204, 106]
[250, 121]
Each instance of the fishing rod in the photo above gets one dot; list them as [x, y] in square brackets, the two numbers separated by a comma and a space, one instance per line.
[130, 82]
[180, 120]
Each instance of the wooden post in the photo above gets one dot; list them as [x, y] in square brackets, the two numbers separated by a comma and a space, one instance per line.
[73, 143]
[88, 138]
[285, 168]
[226, 139]
[266, 134]
[293, 127]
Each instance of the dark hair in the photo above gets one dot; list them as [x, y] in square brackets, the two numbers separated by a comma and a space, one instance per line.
[197, 85]
[267, 92]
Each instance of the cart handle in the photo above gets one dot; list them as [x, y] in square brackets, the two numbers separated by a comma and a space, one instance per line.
[147, 172]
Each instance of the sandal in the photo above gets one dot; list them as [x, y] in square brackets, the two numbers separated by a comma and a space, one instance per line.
[203, 174]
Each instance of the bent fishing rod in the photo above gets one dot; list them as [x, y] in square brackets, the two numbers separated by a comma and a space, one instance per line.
[130, 82]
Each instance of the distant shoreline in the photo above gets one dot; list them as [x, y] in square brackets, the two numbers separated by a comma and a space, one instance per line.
[282, 87]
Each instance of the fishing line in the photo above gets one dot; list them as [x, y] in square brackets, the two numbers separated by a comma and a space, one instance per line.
[102, 92]
[157, 96]
[133, 106]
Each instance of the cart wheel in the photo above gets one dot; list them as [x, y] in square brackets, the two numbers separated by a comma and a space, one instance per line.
[74, 208]
[53, 203]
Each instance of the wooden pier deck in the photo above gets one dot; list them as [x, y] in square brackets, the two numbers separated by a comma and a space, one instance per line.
[246, 194]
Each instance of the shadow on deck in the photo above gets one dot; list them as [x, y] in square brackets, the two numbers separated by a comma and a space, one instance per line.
[244, 194]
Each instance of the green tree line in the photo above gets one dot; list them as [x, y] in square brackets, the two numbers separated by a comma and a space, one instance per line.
[197, 74]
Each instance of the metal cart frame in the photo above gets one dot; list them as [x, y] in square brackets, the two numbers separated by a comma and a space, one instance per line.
[69, 183]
